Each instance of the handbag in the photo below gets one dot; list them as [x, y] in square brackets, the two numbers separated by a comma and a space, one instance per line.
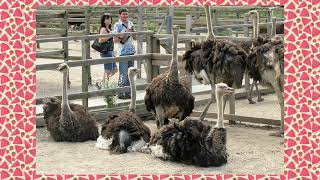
[102, 47]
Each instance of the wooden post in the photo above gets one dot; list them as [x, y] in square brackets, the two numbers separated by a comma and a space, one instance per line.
[170, 24]
[215, 19]
[188, 30]
[246, 75]
[85, 55]
[269, 17]
[274, 27]
[246, 29]
[238, 17]
[232, 107]
[139, 40]
[229, 32]
[87, 42]
[155, 49]
[188, 47]
[148, 63]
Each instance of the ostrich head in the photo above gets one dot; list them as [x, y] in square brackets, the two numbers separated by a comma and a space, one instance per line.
[63, 67]
[133, 71]
[196, 64]
[253, 13]
[223, 89]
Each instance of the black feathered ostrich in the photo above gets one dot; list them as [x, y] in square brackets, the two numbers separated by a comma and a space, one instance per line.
[265, 65]
[124, 131]
[214, 61]
[192, 141]
[68, 122]
[257, 41]
[268, 61]
[167, 96]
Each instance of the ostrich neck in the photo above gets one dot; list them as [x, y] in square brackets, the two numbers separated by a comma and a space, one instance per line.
[219, 108]
[209, 24]
[64, 88]
[65, 108]
[132, 106]
[173, 72]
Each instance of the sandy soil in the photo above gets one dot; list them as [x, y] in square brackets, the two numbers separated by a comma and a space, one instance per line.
[251, 151]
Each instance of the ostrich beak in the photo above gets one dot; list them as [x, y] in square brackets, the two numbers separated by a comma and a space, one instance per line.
[230, 90]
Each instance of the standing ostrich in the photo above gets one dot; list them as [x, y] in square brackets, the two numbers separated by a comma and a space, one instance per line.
[265, 64]
[214, 61]
[258, 40]
[192, 141]
[68, 122]
[166, 95]
[125, 131]
[268, 61]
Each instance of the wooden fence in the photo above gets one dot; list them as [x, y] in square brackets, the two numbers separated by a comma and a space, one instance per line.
[153, 60]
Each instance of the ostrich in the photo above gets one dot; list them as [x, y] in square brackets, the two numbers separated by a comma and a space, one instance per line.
[167, 96]
[193, 141]
[258, 40]
[68, 122]
[268, 61]
[265, 64]
[214, 61]
[124, 131]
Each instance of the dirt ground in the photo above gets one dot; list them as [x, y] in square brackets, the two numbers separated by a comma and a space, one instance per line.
[251, 150]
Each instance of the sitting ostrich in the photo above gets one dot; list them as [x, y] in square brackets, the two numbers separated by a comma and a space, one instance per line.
[68, 122]
[193, 141]
[167, 96]
[124, 131]
[214, 61]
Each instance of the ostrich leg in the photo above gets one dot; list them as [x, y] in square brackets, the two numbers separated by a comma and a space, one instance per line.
[260, 99]
[281, 103]
[160, 116]
[249, 94]
[212, 100]
[232, 100]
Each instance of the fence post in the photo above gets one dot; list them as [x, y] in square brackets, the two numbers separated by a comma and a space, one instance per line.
[274, 27]
[139, 39]
[229, 32]
[215, 20]
[169, 24]
[155, 49]
[269, 17]
[188, 47]
[148, 63]
[246, 75]
[87, 42]
[85, 55]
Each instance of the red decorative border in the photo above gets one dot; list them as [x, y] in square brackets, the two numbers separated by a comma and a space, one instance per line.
[18, 87]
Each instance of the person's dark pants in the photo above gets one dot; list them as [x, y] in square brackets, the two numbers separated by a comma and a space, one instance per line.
[123, 76]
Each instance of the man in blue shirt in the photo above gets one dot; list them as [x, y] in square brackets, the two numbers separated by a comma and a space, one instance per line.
[126, 48]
